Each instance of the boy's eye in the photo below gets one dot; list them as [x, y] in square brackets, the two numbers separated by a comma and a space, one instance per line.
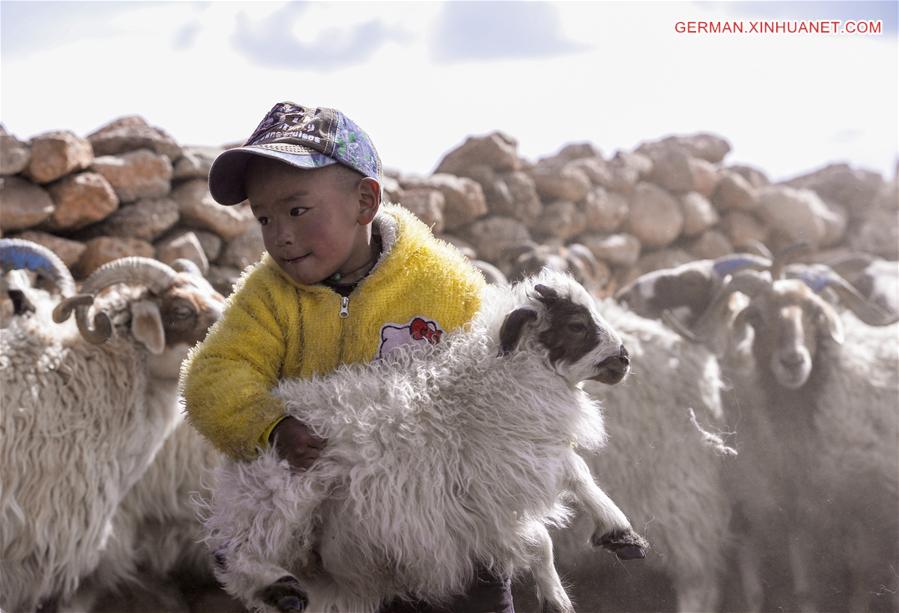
[263, 221]
[297, 211]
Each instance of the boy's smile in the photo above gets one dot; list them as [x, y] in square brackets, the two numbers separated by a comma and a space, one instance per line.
[314, 222]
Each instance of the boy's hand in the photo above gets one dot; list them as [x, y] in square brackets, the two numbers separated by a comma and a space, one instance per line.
[295, 443]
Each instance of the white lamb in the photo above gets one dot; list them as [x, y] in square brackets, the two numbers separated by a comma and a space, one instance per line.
[437, 461]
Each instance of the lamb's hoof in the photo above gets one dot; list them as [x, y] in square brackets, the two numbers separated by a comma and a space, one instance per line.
[285, 595]
[626, 544]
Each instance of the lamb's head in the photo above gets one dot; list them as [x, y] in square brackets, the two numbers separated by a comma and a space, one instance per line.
[173, 313]
[19, 295]
[791, 322]
[559, 320]
[691, 286]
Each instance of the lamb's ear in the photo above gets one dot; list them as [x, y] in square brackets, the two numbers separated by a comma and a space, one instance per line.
[146, 326]
[512, 326]
[547, 294]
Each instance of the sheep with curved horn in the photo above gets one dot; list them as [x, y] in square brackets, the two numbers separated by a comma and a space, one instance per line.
[89, 419]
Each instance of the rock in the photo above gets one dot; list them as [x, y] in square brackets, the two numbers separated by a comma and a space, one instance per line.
[69, 251]
[839, 183]
[525, 205]
[223, 278]
[699, 215]
[878, 234]
[136, 174]
[654, 260]
[211, 243]
[184, 245]
[576, 151]
[466, 249]
[491, 235]
[130, 133]
[464, 199]
[22, 204]
[195, 162]
[427, 205]
[560, 183]
[835, 223]
[596, 169]
[705, 177]
[615, 249]
[604, 211]
[199, 210]
[754, 176]
[560, 219]
[655, 216]
[496, 192]
[734, 192]
[794, 214]
[244, 250]
[626, 170]
[743, 229]
[103, 249]
[81, 199]
[671, 170]
[391, 190]
[56, 154]
[146, 219]
[702, 145]
[496, 150]
[14, 154]
[710, 245]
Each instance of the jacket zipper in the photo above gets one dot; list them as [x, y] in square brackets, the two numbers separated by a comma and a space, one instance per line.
[344, 307]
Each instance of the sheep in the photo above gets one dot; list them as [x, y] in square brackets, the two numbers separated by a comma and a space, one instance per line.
[664, 470]
[435, 462]
[529, 258]
[688, 287]
[817, 449]
[18, 295]
[84, 413]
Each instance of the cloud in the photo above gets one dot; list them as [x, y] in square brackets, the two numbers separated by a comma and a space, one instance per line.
[272, 42]
[492, 30]
[26, 27]
[186, 35]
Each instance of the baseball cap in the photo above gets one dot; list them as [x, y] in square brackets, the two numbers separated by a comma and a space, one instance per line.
[302, 136]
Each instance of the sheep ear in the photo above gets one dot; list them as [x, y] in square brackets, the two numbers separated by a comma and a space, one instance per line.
[547, 294]
[830, 323]
[146, 326]
[512, 327]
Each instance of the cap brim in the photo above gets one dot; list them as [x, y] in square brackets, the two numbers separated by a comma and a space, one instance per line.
[226, 176]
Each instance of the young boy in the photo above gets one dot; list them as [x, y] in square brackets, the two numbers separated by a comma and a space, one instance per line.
[343, 280]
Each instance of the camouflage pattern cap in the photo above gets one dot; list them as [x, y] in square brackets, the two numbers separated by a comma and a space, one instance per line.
[301, 136]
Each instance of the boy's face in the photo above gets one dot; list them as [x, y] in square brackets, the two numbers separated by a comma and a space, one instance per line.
[314, 222]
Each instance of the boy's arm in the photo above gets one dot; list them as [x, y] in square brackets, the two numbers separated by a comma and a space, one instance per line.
[228, 378]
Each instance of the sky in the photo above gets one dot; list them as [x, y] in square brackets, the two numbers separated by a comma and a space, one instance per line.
[421, 77]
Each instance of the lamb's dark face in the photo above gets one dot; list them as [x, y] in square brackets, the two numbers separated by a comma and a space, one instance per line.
[579, 342]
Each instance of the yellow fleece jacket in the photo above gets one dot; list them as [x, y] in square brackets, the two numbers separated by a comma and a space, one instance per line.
[274, 328]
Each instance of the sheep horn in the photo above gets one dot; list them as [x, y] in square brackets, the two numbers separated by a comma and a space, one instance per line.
[735, 262]
[673, 322]
[851, 263]
[17, 253]
[757, 247]
[155, 275]
[188, 266]
[864, 309]
[95, 333]
[749, 282]
[134, 270]
[788, 255]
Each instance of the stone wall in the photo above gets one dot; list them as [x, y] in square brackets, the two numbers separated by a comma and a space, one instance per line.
[130, 189]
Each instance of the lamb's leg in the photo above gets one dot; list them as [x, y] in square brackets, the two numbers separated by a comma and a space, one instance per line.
[612, 528]
[552, 596]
